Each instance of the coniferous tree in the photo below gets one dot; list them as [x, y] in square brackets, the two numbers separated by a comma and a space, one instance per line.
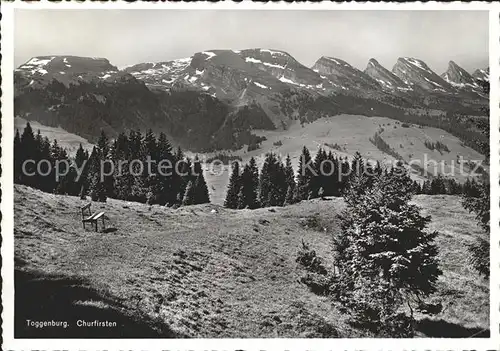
[438, 185]
[28, 151]
[265, 180]
[185, 175]
[201, 195]
[272, 182]
[241, 199]
[345, 175]
[426, 187]
[416, 187]
[201, 190]
[81, 156]
[289, 175]
[168, 178]
[333, 182]
[97, 189]
[96, 186]
[305, 174]
[385, 258]
[189, 194]
[233, 189]
[249, 186]
[321, 168]
[296, 196]
[149, 152]
[357, 165]
[18, 158]
[103, 147]
[478, 202]
[289, 196]
[81, 163]
[43, 152]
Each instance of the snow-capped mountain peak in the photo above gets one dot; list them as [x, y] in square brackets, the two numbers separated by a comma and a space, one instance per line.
[459, 77]
[482, 74]
[415, 72]
[388, 80]
[345, 77]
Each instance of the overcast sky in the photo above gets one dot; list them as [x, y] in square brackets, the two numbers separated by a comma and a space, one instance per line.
[133, 36]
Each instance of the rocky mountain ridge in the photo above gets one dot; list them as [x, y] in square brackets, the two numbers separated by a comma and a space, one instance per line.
[228, 92]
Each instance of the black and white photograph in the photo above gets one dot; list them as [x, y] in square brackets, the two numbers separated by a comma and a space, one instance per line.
[231, 174]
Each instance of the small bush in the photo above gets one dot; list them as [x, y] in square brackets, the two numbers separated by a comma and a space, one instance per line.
[335, 146]
[278, 143]
[405, 125]
[317, 283]
[314, 222]
[253, 147]
[308, 258]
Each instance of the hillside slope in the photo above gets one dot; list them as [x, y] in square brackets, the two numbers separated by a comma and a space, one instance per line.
[205, 271]
[352, 133]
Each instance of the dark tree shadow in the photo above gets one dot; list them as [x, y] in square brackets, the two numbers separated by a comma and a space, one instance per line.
[443, 329]
[109, 230]
[40, 297]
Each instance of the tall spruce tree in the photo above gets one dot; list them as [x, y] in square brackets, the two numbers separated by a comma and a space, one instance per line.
[18, 158]
[201, 195]
[249, 186]
[321, 168]
[189, 194]
[385, 258]
[272, 182]
[29, 150]
[289, 173]
[478, 202]
[150, 176]
[438, 185]
[305, 174]
[233, 189]
[357, 165]
[167, 180]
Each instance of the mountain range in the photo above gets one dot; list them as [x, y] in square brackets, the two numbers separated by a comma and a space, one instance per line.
[214, 99]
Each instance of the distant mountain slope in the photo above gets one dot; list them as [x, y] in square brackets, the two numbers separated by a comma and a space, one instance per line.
[416, 73]
[482, 74]
[84, 96]
[69, 141]
[388, 80]
[461, 79]
[345, 77]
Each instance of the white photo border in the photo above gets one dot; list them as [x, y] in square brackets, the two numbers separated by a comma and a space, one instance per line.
[7, 224]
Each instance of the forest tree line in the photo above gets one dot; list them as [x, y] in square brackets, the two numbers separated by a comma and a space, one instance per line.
[276, 184]
[99, 175]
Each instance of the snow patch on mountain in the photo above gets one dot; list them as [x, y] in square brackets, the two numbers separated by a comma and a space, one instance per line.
[209, 54]
[260, 85]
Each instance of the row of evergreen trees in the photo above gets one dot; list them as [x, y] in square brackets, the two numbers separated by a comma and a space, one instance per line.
[447, 186]
[277, 185]
[126, 168]
[45, 156]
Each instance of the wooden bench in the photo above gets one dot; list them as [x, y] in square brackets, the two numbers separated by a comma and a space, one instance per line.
[89, 217]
